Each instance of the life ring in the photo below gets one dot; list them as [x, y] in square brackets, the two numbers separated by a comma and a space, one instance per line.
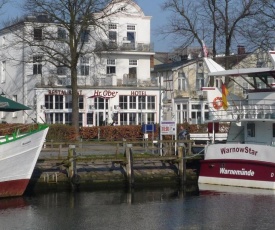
[217, 103]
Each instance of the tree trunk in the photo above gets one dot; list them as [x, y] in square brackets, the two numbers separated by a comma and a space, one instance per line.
[75, 108]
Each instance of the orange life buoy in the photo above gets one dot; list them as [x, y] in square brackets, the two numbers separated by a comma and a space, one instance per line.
[217, 103]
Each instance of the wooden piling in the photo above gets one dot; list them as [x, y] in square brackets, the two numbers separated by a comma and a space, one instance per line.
[72, 166]
[182, 165]
[129, 166]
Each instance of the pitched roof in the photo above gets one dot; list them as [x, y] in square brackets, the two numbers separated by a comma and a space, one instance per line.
[172, 65]
[233, 60]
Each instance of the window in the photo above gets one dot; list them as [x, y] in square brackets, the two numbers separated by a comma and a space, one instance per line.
[101, 103]
[58, 102]
[196, 106]
[85, 36]
[112, 26]
[49, 101]
[131, 37]
[150, 118]
[37, 64]
[111, 66]
[151, 102]
[132, 76]
[273, 128]
[141, 102]
[131, 27]
[61, 33]
[113, 36]
[3, 71]
[182, 113]
[123, 102]
[37, 34]
[123, 118]
[59, 118]
[132, 118]
[81, 102]
[250, 129]
[133, 102]
[68, 118]
[182, 84]
[132, 62]
[68, 101]
[199, 81]
[131, 33]
[90, 119]
[61, 70]
[84, 66]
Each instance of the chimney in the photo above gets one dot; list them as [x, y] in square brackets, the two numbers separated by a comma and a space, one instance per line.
[241, 49]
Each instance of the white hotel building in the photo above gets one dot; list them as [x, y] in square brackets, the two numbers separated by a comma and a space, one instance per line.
[114, 84]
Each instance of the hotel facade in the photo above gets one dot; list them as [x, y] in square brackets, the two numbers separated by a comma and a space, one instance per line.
[114, 82]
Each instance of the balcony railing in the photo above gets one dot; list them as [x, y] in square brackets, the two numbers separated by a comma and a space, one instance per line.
[124, 46]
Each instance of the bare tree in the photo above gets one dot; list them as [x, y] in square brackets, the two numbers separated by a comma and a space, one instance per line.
[217, 22]
[80, 23]
[261, 29]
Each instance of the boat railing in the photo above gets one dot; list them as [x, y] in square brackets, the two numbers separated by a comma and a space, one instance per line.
[255, 109]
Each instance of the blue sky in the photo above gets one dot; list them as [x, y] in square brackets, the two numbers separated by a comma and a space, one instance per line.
[149, 7]
[159, 18]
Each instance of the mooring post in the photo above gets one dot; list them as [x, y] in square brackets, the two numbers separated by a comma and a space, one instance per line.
[71, 156]
[129, 166]
[182, 165]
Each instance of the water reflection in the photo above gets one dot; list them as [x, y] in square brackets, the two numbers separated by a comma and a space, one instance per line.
[220, 207]
[12, 203]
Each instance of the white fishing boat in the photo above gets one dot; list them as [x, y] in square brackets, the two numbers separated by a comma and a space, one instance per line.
[247, 159]
[18, 154]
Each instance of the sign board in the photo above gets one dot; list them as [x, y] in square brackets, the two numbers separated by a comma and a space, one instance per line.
[168, 127]
[148, 128]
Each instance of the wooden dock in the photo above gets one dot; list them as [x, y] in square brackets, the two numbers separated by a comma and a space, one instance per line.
[73, 166]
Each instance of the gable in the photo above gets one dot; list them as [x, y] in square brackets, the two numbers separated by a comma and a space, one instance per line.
[124, 7]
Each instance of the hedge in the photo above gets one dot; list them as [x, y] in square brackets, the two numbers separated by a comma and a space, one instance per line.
[60, 132]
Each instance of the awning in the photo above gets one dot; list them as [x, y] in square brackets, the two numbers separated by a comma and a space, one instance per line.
[8, 105]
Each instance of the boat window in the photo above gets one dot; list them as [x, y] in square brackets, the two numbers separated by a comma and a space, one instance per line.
[250, 129]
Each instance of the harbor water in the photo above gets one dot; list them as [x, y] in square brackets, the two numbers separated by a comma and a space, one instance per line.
[160, 208]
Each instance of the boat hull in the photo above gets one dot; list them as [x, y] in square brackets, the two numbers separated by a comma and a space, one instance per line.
[18, 157]
[243, 173]
[13, 188]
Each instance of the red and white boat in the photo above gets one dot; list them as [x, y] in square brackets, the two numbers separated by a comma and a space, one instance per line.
[247, 159]
[18, 154]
